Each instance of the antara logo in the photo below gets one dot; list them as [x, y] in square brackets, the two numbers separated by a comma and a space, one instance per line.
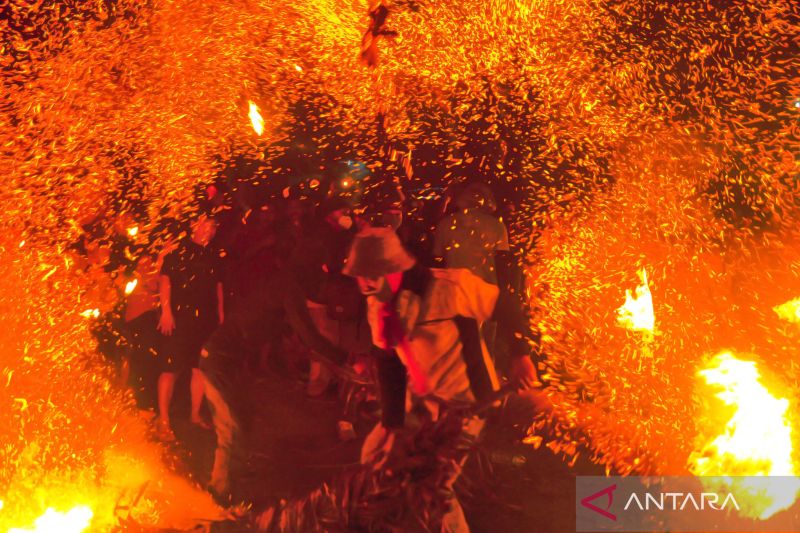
[609, 492]
[680, 500]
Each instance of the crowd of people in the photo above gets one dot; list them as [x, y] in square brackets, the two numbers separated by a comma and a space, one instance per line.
[427, 310]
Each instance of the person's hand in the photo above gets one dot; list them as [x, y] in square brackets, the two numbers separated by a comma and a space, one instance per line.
[166, 325]
[523, 373]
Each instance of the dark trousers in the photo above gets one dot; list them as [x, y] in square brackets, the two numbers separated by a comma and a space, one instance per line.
[259, 321]
[221, 365]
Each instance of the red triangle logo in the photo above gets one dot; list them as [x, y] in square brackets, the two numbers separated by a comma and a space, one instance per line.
[608, 491]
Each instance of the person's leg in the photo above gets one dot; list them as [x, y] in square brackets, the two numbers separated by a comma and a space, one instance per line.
[171, 365]
[166, 386]
[227, 429]
[454, 520]
[147, 359]
[132, 360]
[197, 388]
[220, 364]
[319, 377]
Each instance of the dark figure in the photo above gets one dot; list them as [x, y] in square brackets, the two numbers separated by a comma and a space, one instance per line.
[473, 238]
[377, 29]
[256, 321]
[141, 330]
[333, 300]
[190, 290]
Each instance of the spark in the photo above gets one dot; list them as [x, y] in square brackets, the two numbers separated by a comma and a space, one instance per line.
[256, 119]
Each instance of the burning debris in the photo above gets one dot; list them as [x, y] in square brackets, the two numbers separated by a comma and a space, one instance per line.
[76, 520]
[637, 312]
[256, 119]
[754, 417]
[789, 311]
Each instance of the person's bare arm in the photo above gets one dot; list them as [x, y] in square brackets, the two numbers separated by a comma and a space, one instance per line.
[166, 324]
[523, 372]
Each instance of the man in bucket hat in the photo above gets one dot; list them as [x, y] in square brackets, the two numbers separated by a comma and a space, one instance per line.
[425, 326]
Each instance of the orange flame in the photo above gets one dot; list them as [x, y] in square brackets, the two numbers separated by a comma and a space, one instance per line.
[789, 311]
[739, 450]
[637, 312]
[75, 520]
[256, 119]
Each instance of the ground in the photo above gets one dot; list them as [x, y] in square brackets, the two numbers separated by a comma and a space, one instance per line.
[294, 447]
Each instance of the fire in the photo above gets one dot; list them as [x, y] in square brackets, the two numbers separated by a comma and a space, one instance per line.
[256, 119]
[75, 520]
[789, 311]
[90, 313]
[758, 417]
[637, 312]
[133, 231]
[131, 285]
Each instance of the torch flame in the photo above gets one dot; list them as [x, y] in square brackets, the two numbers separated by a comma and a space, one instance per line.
[75, 520]
[789, 311]
[637, 312]
[256, 119]
[755, 441]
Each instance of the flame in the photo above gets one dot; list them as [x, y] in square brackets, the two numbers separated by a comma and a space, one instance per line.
[90, 313]
[637, 312]
[739, 450]
[133, 231]
[789, 311]
[75, 520]
[131, 285]
[256, 119]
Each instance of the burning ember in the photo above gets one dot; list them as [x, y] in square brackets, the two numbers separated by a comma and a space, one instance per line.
[75, 520]
[256, 119]
[637, 312]
[90, 313]
[131, 286]
[756, 438]
[789, 311]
